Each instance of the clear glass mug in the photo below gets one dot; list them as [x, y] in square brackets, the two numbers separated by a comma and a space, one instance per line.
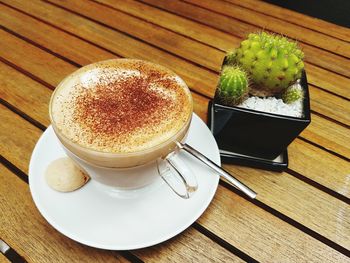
[135, 169]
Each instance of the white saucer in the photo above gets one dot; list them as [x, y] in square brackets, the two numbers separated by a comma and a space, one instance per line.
[123, 221]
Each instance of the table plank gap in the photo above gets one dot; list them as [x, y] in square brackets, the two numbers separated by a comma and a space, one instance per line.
[336, 121]
[22, 114]
[223, 243]
[11, 255]
[27, 73]
[14, 169]
[131, 257]
[323, 148]
[39, 46]
[319, 186]
[8, 254]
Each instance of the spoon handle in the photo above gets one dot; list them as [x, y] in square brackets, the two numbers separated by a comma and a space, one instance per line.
[236, 183]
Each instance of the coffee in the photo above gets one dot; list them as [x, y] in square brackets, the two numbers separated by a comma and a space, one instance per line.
[121, 113]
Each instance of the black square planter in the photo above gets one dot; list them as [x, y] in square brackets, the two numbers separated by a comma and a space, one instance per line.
[259, 135]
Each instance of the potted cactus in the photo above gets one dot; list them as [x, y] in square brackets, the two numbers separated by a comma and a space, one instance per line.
[261, 103]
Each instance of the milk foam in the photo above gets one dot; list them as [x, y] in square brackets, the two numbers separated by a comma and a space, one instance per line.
[84, 113]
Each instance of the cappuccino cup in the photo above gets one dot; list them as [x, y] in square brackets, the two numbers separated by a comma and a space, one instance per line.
[120, 120]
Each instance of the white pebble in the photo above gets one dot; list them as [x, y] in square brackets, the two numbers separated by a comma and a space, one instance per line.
[273, 105]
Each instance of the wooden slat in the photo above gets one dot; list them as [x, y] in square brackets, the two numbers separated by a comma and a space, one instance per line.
[105, 15]
[181, 249]
[332, 136]
[328, 80]
[17, 151]
[3, 259]
[296, 18]
[33, 61]
[233, 26]
[277, 25]
[26, 231]
[22, 92]
[329, 105]
[320, 166]
[231, 217]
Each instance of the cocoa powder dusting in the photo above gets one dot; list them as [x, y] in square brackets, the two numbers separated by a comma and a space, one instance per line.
[122, 106]
[115, 109]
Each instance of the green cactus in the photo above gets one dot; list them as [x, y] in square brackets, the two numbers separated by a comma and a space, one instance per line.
[233, 86]
[272, 62]
[292, 94]
[230, 58]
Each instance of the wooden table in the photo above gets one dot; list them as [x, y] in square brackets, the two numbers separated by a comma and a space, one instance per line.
[301, 215]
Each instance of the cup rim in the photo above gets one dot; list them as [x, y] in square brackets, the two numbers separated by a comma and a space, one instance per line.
[114, 154]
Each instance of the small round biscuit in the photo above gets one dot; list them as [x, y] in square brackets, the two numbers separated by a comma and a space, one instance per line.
[65, 176]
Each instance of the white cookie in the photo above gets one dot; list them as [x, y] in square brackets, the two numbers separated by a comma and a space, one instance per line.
[65, 176]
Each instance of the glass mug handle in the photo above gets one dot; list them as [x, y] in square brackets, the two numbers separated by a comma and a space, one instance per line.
[177, 174]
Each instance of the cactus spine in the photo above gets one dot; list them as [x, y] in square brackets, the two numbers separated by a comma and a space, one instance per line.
[233, 86]
[292, 94]
[272, 62]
